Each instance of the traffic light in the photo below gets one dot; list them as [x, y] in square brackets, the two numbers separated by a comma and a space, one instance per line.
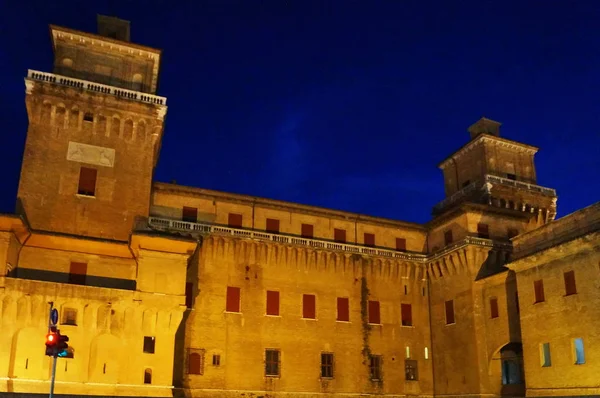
[56, 344]
[62, 346]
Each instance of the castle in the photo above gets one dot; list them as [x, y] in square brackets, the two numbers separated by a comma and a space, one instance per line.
[168, 290]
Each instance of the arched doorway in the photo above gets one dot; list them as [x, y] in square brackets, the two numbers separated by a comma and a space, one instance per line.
[509, 360]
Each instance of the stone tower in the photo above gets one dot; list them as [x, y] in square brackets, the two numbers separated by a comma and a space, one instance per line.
[95, 128]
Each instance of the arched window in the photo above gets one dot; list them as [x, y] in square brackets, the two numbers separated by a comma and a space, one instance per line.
[137, 82]
[128, 130]
[148, 376]
[101, 126]
[74, 118]
[195, 364]
[115, 126]
[46, 113]
[59, 117]
[68, 62]
[141, 131]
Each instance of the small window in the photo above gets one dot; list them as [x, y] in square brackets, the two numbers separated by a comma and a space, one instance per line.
[196, 361]
[538, 290]
[406, 312]
[88, 117]
[69, 316]
[189, 297]
[327, 365]
[272, 362]
[308, 306]
[190, 214]
[401, 244]
[494, 307]
[307, 231]
[148, 376]
[426, 353]
[369, 239]
[272, 303]
[448, 237]
[77, 273]
[407, 352]
[450, 312]
[375, 367]
[216, 360]
[87, 182]
[411, 370]
[149, 344]
[374, 316]
[545, 355]
[339, 235]
[343, 309]
[235, 220]
[233, 299]
[483, 231]
[272, 226]
[570, 287]
[405, 290]
[578, 351]
[511, 176]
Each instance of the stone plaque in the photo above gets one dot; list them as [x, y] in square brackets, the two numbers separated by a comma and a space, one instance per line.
[91, 154]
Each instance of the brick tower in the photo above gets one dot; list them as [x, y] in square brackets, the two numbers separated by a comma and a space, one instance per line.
[95, 128]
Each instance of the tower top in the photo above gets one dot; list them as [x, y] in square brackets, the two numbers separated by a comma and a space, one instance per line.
[485, 126]
[113, 27]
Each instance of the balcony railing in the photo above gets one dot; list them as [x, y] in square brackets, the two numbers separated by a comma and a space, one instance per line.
[520, 184]
[96, 87]
[456, 196]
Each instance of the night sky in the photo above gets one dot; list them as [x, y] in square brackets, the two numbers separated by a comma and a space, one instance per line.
[342, 104]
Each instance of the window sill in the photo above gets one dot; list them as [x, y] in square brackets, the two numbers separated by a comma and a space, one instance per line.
[232, 312]
[309, 319]
[323, 378]
[375, 324]
[272, 376]
[407, 326]
[569, 295]
[539, 302]
[342, 321]
[450, 324]
[79, 195]
[273, 316]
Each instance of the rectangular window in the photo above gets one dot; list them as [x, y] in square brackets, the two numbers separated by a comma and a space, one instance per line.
[375, 367]
[195, 361]
[483, 231]
[234, 220]
[545, 355]
[374, 317]
[538, 290]
[494, 307]
[339, 235]
[88, 117]
[272, 303]
[448, 237]
[189, 214]
[307, 231]
[326, 365]
[77, 273]
[308, 306]
[401, 244]
[450, 312]
[343, 309]
[411, 370]
[69, 316]
[149, 344]
[216, 360]
[272, 225]
[570, 287]
[426, 353]
[511, 176]
[272, 362]
[233, 299]
[87, 181]
[189, 289]
[406, 311]
[369, 239]
[578, 351]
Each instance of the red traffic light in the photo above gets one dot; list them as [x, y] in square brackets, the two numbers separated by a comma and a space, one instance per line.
[51, 339]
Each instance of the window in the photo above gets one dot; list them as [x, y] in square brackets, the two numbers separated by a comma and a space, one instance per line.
[406, 312]
[87, 182]
[483, 231]
[511, 176]
[375, 367]
[494, 307]
[538, 289]
[88, 117]
[233, 299]
[426, 353]
[570, 287]
[77, 273]
[405, 290]
[216, 360]
[234, 220]
[448, 237]
[578, 351]
[149, 344]
[374, 317]
[195, 361]
[308, 306]
[148, 376]
[69, 316]
[545, 355]
[411, 370]
[343, 309]
[307, 231]
[272, 225]
[326, 365]
[450, 312]
[189, 214]
[369, 239]
[339, 235]
[189, 298]
[512, 232]
[272, 303]
[401, 244]
[272, 362]
[407, 350]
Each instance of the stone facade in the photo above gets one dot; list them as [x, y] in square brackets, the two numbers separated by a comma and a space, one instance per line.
[166, 290]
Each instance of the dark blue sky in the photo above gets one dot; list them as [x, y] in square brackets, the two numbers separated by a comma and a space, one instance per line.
[342, 104]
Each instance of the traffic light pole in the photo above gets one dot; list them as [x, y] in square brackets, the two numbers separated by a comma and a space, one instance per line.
[54, 356]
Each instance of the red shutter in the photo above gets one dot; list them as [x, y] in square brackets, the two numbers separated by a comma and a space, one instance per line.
[450, 312]
[195, 364]
[343, 309]
[448, 237]
[374, 317]
[401, 244]
[233, 299]
[235, 220]
[538, 287]
[272, 225]
[369, 239]
[77, 273]
[406, 310]
[272, 302]
[307, 231]
[494, 307]
[190, 214]
[483, 231]
[87, 181]
[189, 288]
[570, 287]
[308, 306]
[339, 235]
